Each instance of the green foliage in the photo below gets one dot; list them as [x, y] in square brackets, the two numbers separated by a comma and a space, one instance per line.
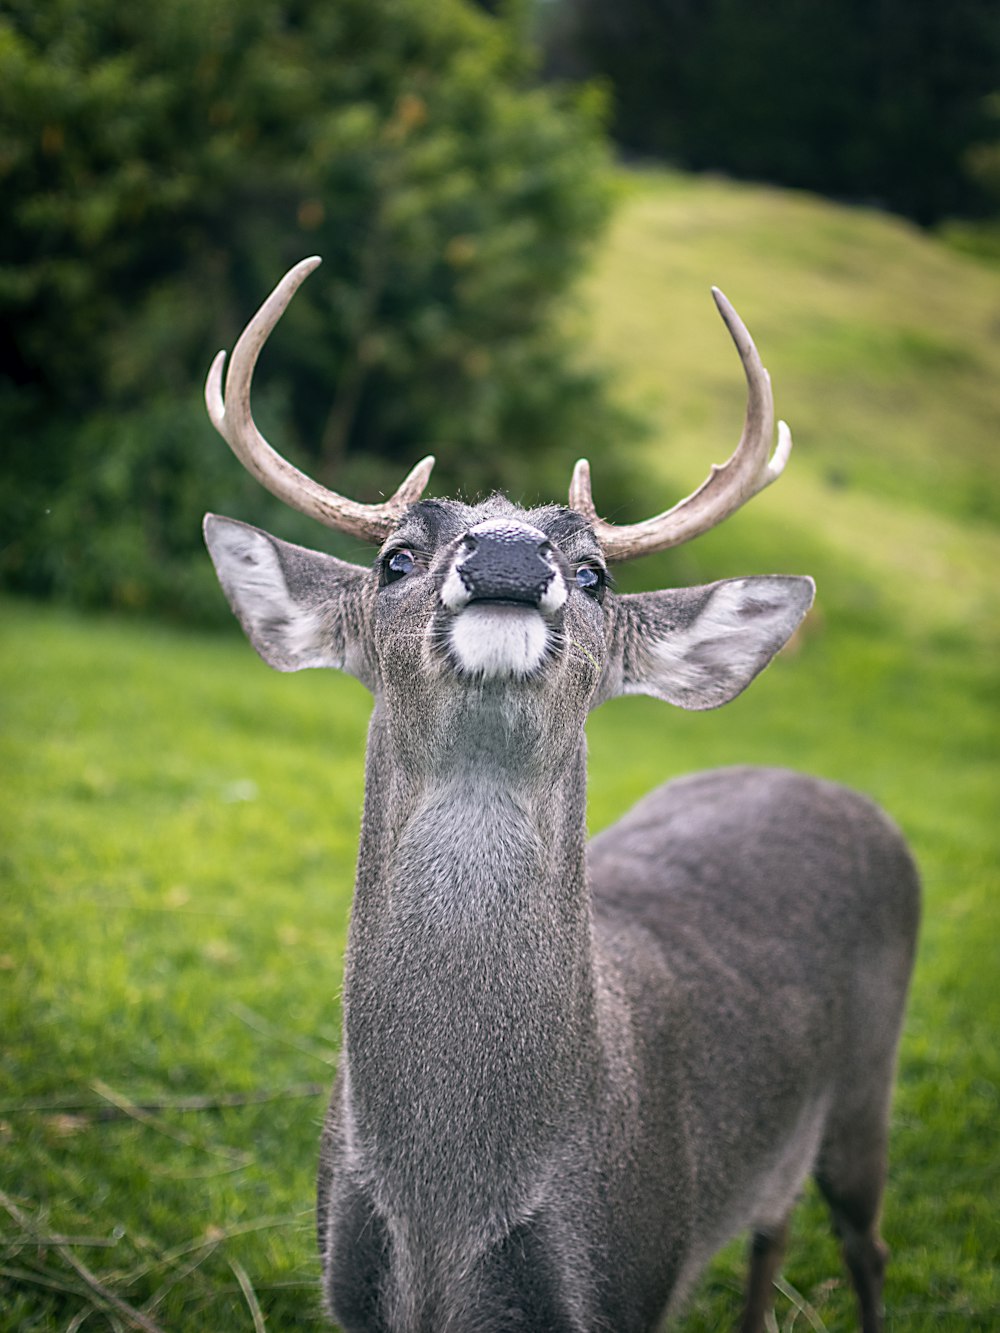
[980, 237]
[872, 102]
[161, 170]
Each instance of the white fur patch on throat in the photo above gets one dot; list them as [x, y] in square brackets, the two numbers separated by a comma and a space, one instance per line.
[492, 639]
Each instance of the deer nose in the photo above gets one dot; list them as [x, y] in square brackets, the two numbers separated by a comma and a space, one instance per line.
[506, 567]
[499, 562]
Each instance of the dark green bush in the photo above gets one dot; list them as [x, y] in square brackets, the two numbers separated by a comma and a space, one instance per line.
[161, 167]
[875, 102]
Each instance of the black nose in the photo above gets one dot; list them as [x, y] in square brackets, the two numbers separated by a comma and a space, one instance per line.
[505, 567]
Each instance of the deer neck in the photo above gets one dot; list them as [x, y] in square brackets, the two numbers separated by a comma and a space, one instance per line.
[469, 990]
[474, 812]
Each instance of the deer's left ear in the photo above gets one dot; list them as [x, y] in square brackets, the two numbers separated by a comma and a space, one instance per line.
[699, 647]
[299, 608]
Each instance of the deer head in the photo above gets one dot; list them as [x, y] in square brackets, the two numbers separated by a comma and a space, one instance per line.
[480, 600]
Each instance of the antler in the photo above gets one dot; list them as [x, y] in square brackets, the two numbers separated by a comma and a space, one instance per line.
[232, 418]
[727, 486]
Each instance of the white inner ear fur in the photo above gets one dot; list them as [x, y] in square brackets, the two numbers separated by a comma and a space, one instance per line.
[287, 635]
[491, 640]
[710, 660]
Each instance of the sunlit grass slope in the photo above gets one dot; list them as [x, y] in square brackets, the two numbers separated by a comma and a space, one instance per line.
[884, 352]
[178, 824]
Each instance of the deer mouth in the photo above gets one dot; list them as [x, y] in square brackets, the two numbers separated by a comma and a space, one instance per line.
[503, 591]
[495, 638]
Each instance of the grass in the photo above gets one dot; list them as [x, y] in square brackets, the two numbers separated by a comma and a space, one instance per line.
[179, 824]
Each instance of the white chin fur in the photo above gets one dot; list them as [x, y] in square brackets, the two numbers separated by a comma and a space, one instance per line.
[492, 640]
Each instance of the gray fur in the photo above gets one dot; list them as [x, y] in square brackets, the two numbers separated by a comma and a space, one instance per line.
[569, 1074]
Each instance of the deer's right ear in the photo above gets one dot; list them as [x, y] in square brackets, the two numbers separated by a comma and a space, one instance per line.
[299, 608]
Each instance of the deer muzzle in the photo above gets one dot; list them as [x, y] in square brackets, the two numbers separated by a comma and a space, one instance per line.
[504, 585]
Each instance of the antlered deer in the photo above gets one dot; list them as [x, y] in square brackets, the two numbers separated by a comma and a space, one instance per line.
[570, 1072]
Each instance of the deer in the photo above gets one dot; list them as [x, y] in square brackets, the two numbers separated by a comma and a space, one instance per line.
[571, 1071]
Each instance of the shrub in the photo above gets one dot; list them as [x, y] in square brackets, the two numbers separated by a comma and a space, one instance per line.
[162, 167]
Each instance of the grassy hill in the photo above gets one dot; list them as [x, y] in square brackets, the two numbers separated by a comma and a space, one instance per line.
[884, 352]
[178, 828]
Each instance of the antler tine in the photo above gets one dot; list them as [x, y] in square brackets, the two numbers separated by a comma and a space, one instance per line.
[728, 486]
[232, 418]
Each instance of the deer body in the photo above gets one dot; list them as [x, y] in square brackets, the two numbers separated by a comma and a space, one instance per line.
[569, 1074]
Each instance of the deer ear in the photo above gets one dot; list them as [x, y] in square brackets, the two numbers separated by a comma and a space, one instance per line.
[299, 608]
[699, 647]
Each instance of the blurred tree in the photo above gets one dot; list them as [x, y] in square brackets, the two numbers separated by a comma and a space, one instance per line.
[981, 236]
[873, 100]
[162, 166]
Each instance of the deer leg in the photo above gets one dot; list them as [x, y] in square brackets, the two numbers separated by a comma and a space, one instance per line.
[518, 1288]
[866, 1255]
[855, 1220]
[356, 1255]
[767, 1249]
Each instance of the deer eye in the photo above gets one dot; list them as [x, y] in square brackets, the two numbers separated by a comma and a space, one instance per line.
[591, 579]
[397, 565]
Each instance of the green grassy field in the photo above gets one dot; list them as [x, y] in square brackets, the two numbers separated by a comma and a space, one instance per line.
[179, 824]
